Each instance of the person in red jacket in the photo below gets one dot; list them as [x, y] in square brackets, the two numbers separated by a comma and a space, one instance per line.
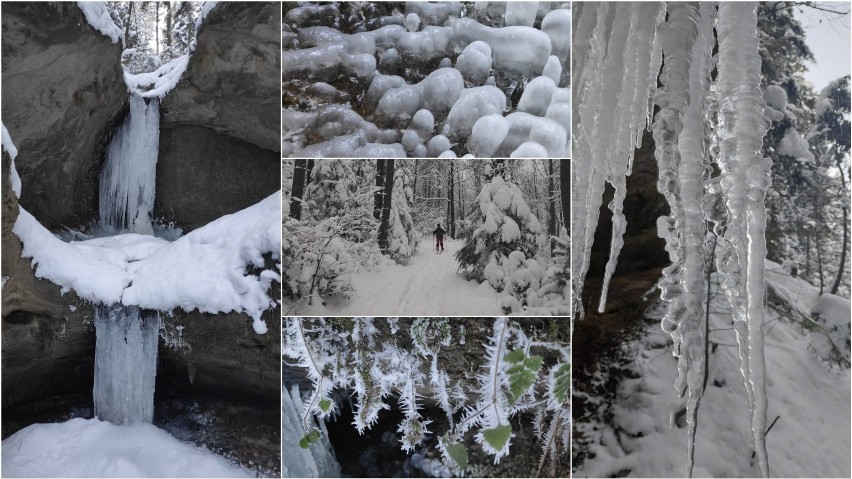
[439, 238]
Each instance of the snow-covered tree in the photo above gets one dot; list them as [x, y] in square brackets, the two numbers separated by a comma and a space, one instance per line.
[502, 248]
[403, 237]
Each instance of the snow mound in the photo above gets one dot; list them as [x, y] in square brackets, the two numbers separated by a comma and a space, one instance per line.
[93, 448]
[158, 82]
[97, 15]
[204, 270]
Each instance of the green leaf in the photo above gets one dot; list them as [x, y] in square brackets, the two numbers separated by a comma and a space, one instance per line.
[456, 451]
[498, 436]
[310, 438]
[561, 377]
[522, 372]
[325, 404]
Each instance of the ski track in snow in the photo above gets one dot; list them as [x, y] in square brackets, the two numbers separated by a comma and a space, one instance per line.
[429, 285]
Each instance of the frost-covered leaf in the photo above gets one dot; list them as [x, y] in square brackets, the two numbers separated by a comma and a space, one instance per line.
[497, 437]
[325, 404]
[559, 382]
[521, 373]
[310, 438]
[456, 451]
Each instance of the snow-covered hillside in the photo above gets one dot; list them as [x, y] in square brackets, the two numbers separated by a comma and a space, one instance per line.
[645, 434]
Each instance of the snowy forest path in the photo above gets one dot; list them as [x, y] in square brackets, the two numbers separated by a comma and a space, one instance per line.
[429, 285]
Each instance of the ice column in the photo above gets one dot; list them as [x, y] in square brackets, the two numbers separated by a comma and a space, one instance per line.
[128, 176]
[125, 363]
[745, 176]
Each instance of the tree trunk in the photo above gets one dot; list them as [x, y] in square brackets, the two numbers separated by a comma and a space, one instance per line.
[127, 39]
[169, 24]
[298, 189]
[386, 206]
[551, 194]
[565, 193]
[836, 285]
[451, 202]
[839, 278]
[157, 25]
[380, 186]
[414, 186]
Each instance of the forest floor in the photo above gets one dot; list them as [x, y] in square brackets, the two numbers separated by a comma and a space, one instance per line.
[641, 431]
[429, 285]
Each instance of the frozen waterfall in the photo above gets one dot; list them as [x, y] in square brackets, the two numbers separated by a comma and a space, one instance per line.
[129, 172]
[125, 363]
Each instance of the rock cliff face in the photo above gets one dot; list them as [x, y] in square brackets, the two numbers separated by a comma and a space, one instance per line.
[232, 84]
[63, 93]
[220, 132]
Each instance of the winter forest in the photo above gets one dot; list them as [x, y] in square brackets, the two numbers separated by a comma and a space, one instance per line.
[710, 196]
[360, 237]
[426, 79]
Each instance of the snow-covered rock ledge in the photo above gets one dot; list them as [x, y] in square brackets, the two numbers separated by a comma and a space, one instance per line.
[204, 270]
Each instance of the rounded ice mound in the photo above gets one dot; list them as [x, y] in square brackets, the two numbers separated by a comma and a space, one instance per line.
[436, 93]
[521, 13]
[410, 140]
[437, 145]
[412, 22]
[553, 69]
[537, 95]
[557, 26]
[529, 149]
[487, 135]
[474, 63]
[423, 123]
[473, 104]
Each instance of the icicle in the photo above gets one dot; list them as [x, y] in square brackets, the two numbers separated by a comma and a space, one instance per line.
[632, 109]
[125, 364]
[128, 177]
[745, 178]
[694, 163]
[587, 178]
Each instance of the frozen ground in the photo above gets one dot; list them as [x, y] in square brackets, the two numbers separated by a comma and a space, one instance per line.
[647, 435]
[429, 285]
[93, 448]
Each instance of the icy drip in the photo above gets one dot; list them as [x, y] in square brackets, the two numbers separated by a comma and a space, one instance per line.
[679, 134]
[125, 363]
[744, 180]
[128, 177]
[587, 177]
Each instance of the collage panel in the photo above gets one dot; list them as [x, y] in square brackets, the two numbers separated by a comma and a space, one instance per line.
[710, 244]
[426, 397]
[450, 237]
[141, 239]
[426, 79]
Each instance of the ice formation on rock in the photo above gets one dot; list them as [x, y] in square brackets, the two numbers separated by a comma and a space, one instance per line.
[620, 49]
[125, 363]
[433, 57]
[129, 173]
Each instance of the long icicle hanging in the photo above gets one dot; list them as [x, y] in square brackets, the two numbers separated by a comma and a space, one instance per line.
[619, 50]
[745, 179]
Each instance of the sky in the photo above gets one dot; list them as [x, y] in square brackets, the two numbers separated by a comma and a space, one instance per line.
[829, 41]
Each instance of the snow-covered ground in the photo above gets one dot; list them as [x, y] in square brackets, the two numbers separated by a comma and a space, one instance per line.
[811, 397]
[429, 285]
[93, 448]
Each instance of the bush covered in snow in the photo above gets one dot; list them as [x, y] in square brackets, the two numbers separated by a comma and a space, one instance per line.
[502, 249]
